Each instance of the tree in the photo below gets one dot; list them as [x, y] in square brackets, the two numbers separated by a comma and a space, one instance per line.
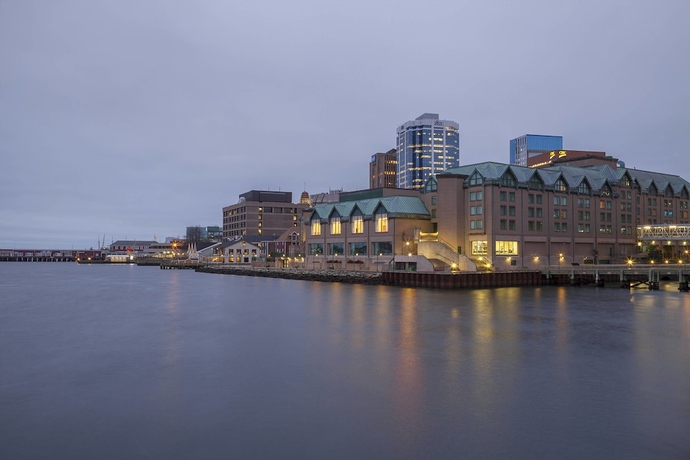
[194, 234]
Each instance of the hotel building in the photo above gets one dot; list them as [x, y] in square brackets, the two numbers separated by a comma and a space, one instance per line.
[511, 216]
[505, 217]
[425, 147]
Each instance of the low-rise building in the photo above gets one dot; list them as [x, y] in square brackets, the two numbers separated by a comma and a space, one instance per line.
[261, 213]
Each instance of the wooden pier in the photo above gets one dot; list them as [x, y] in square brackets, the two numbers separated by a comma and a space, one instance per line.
[179, 264]
[627, 276]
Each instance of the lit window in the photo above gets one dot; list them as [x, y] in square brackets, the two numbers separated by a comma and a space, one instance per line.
[316, 228]
[506, 248]
[357, 224]
[335, 226]
[381, 223]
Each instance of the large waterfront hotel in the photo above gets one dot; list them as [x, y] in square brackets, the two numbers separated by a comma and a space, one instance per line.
[426, 146]
[506, 217]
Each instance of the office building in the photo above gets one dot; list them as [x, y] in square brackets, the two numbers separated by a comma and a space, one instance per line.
[383, 170]
[529, 145]
[261, 213]
[426, 146]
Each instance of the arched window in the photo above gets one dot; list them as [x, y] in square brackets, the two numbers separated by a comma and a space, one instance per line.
[669, 191]
[606, 190]
[357, 220]
[653, 190]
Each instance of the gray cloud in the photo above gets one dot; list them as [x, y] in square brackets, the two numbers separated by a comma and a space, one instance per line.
[140, 118]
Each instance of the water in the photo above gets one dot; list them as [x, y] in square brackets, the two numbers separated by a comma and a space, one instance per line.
[135, 362]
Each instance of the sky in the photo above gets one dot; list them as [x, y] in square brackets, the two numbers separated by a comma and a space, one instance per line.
[138, 118]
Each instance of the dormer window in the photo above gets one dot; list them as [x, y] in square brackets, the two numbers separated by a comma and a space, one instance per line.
[560, 186]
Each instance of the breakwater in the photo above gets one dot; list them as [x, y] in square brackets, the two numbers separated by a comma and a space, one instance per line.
[338, 276]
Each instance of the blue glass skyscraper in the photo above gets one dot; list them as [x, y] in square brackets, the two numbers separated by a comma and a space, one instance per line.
[426, 146]
[530, 145]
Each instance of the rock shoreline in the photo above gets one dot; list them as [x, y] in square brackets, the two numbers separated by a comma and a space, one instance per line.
[337, 276]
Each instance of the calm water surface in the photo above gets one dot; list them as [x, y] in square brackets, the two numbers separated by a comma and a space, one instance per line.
[136, 362]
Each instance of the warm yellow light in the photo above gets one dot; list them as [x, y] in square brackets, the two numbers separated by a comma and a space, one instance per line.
[665, 261]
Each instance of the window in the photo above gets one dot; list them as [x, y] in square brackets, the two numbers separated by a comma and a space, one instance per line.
[539, 212]
[383, 248]
[538, 199]
[511, 196]
[530, 212]
[335, 226]
[476, 179]
[336, 249]
[530, 198]
[535, 182]
[584, 188]
[512, 225]
[357, 224]
[540, 226]
[503, 224]
[560, 186]
[502, 196]
[508, 180]
[381, 223]
[502, 210]
[433, 213]
[475, 196]
[433, 200]
[564, 201]
[506, 248]
[315, 227]
[530, 225]
[479, 248]
[358, 249]
[316, 249]
[511, 210]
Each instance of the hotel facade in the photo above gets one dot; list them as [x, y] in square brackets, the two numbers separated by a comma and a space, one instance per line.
[505, 217]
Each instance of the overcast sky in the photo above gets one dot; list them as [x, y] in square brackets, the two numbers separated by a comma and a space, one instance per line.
[131, 119]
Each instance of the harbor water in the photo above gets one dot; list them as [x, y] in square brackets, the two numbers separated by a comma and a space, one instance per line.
[120, 361]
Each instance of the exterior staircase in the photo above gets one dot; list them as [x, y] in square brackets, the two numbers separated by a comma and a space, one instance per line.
[435, 248]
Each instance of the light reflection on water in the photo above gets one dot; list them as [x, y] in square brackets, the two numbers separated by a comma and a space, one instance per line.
[134, 362]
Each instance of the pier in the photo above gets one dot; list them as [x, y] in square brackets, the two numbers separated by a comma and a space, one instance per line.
[625, 275]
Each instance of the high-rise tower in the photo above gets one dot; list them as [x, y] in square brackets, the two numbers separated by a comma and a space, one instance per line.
[426, 146]
[530, 145]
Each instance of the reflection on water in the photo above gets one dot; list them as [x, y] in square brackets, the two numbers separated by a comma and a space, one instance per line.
[143, 363]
